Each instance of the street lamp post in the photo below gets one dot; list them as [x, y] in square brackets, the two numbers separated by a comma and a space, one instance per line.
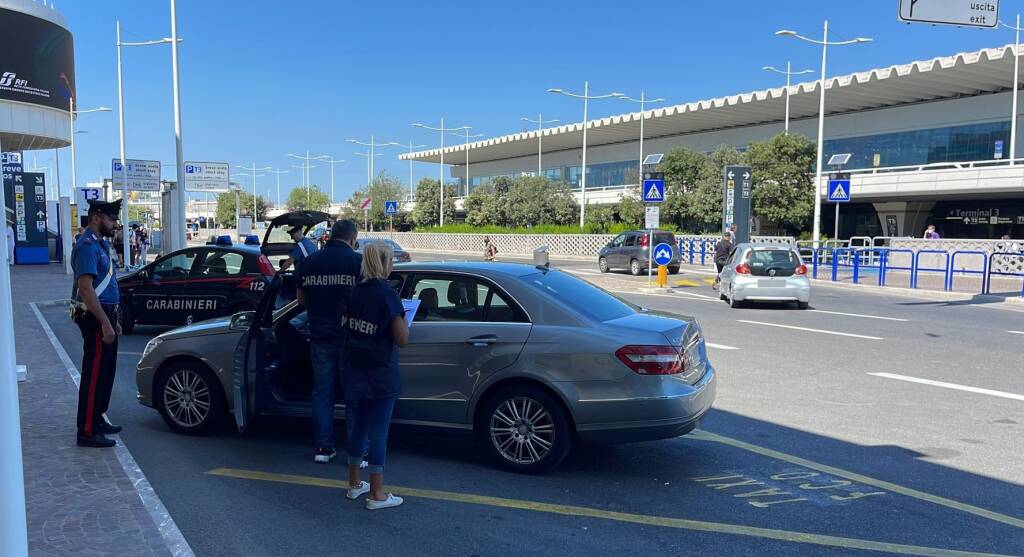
[1016, 73]
[411, 147]
[442, 131]
[540, 121]
[643, 100]
[74, 166]
[120, 112]
[307, 159]
[465, 135]
[788, 76]
[587, 97]
[333, 162]
[824, 42]
[255, 206]
[278, 173]
[373, 145]
[369, 167]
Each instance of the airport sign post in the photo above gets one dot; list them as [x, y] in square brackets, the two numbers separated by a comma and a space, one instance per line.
[207, 176]
[963, 13]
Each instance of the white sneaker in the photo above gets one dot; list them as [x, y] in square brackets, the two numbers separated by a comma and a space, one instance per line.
[355, 492]
[392, 501]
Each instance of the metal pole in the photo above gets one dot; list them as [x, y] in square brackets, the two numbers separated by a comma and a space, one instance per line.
[13, 528]
[370, 183]
[120, 124]
[650, 256]
[441, 183]
[255, 210]
[821, 141]
[178, 195]
[307, 177]
[788, 76]
[640, 163]
[1016, 70]
[836, 235]
[540, 144]
[467, 163]
[74, 171]
[412, 196]
[583, 168]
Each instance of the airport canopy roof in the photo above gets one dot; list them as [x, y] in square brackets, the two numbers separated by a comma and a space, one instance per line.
[961, 75]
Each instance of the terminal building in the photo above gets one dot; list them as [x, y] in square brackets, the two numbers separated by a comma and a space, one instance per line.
[930, 144]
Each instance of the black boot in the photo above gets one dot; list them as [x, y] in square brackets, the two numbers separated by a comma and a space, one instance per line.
[104, 428]
[97, 440]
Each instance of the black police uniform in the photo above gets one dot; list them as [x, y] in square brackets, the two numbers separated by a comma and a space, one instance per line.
[91, 256]
[325, 278]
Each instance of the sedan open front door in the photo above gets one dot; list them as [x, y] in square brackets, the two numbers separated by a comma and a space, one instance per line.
[248, 361]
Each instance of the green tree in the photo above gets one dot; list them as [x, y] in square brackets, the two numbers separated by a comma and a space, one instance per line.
[480, 205]
[315, 200]
[682, 168]
[428, 201]
[384, 188]
[702, 204]
[630, 209]
[533, 200]
[226, 207]
[782, 181]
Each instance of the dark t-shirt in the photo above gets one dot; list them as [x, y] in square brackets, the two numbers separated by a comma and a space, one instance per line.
[371, 360]
[722, 249]
[326, 278]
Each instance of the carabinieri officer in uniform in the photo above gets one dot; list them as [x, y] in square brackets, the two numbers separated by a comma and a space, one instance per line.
[98, 320]
[324, 281]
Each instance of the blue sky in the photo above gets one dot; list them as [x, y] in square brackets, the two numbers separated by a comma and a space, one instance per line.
[263, 78]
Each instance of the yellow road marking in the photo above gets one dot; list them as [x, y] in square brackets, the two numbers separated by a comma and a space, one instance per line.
[588, 512]
[860, 478]
[686, 282]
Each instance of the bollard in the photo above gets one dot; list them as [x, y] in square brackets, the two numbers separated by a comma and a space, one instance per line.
[662, 276]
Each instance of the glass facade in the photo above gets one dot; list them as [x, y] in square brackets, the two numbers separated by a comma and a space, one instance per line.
[605, 174]
[973, 142]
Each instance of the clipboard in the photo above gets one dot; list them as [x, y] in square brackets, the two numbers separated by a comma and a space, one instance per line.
[410, 307]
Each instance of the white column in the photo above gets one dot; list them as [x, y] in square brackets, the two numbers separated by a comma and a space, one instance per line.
[1016, 70]
[583, 167]
[178, 195]
[441, 184]
[789, 74]
[13, 528]
[821, 141]
[120, 126]
[540, 145]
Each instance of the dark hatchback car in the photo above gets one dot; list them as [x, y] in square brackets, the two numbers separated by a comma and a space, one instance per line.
[399, 254]
[194, 284]
[629, 251]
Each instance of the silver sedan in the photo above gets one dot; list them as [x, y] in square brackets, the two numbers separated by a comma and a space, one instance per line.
[529, 359]
[765, 273]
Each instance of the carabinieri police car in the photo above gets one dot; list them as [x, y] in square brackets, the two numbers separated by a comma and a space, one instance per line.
[194, 284]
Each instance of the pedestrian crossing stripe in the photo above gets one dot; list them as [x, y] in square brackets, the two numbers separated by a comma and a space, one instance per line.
[653, 194]
[839, 192]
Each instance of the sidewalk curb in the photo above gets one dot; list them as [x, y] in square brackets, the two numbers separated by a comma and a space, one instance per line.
[926, 294]
[175, 541]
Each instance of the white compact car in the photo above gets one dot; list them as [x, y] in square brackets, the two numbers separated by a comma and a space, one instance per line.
[765, 273]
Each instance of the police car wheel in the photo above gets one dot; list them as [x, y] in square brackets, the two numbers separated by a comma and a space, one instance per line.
[634, 268]
[524, 429]
[602, 264]
[190, 398]
[127, 319]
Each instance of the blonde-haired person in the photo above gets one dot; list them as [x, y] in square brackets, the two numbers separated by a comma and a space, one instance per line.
[377, 329]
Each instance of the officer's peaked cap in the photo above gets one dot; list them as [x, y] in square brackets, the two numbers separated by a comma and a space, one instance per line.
[110, 208]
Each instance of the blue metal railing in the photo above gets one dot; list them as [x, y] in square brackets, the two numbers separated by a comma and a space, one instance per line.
[953, 271]
[887, 265]
[918, 268]
[991, 261]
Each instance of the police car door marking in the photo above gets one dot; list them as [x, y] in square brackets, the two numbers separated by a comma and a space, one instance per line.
[257, 286]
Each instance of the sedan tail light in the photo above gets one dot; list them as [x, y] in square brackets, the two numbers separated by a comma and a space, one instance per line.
[651, 360]
[801, 270]
[266, 268]
[743, 269]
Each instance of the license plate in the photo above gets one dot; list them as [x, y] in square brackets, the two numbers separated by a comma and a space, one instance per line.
[771, 283]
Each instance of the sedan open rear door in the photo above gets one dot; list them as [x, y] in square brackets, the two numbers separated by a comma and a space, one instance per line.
[249, 356]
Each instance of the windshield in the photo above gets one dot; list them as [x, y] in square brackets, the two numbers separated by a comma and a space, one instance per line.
[764, 261]
[582, 296]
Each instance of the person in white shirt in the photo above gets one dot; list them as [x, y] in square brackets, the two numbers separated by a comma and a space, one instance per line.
[10, 244]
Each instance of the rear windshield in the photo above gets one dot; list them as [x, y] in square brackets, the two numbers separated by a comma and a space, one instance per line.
[664, 238]
[394, 245]
[783, 262]
[581, 296]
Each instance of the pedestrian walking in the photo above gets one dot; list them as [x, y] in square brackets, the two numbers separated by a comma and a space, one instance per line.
[490, 250]
[133, 241]
[143, 245]
[930, 233]
[324, 281]
[723, 249]
[376, 330]
[95, 299]
[10, 244]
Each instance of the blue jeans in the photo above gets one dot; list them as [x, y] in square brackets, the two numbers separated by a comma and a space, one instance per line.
[368, 422]
[328, 362]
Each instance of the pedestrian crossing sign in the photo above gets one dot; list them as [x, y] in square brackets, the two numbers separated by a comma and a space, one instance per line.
[654, 191]
[391, 207]
[839, 191]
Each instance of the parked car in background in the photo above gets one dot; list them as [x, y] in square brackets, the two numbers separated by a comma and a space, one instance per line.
[399, 256]
[765, 273]
[629, 251]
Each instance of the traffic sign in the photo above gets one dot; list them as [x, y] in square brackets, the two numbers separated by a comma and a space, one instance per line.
[83, 195]
[969, 13]
[390, 207]
[366, 203]
[654, 191]
[839, 190]
[652, 217]
[663, 254]
[207, 176]
[140, 176]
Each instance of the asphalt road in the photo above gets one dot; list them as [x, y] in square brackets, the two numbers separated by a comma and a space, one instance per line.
[808, 451]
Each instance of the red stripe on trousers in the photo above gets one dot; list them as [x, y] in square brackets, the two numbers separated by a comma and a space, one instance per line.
[92, 384]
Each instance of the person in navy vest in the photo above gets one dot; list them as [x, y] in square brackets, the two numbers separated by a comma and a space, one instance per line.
[96, 296]
[376, 330]
[324, 281]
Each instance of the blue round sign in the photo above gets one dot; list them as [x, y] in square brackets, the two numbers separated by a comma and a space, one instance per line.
[662, 254]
